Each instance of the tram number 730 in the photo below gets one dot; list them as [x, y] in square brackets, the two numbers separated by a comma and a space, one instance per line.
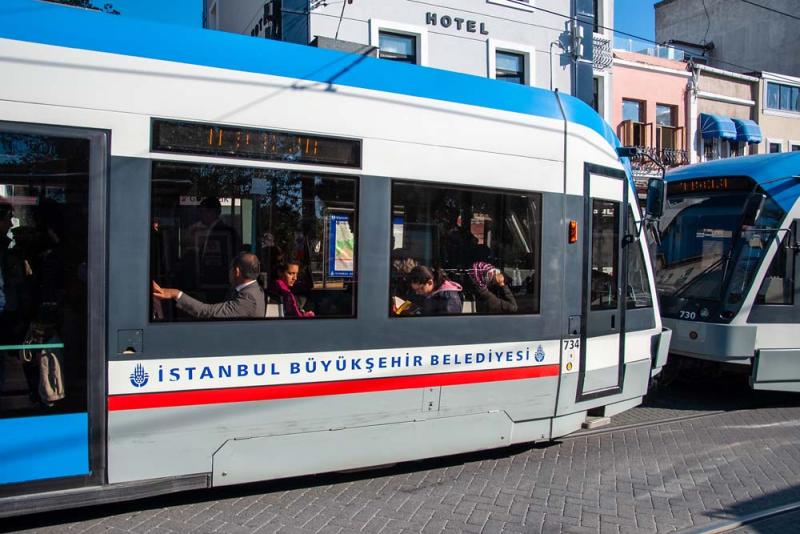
[688, 315]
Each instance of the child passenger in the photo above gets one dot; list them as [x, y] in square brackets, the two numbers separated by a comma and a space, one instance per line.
[282, 287]
[439, 295]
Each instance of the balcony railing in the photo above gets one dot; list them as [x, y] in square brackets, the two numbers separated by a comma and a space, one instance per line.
[602, 56]
[668, 147]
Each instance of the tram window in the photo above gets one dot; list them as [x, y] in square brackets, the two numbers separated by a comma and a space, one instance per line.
[303, 224]
[605, 254]
[778, 284]
[638, 292]
[485, 243]
[43, 274]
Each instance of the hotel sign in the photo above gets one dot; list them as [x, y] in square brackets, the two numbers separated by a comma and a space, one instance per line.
[447, 21]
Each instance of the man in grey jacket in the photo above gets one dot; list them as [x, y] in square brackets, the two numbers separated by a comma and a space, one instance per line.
[247, 302]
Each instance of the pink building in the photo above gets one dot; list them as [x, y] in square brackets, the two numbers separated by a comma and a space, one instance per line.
[649, 108]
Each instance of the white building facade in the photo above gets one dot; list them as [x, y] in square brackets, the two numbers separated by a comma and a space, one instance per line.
[552, 44]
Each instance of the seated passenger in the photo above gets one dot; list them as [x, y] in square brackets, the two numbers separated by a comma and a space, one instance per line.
[440, 295]
[281, 287]
[492, 295]
[246, 301]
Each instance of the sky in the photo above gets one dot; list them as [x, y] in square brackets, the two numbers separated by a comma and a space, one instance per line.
[636, 17]
[187, 12]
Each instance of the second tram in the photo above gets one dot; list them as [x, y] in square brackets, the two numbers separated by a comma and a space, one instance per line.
[727, 269]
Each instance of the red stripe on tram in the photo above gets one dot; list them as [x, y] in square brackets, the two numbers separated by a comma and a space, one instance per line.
[317, 389]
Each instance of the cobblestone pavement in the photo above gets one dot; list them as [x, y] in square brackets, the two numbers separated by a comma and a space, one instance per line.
[653, 479]
[742, 458]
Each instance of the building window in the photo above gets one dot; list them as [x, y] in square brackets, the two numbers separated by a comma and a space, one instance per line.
[632, 110]
[596, 94]
[482, 245]
[526, 5]
[794, 146]
[633, 130]
[510, 62]
[716, 149]
[394, 41]
[398, 47]
[301, 227]
[666, 131]
[510, 67]
[783, 97]
[596, 15]
[775, 148]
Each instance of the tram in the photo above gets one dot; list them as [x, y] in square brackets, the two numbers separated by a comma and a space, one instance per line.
[727, 265]
[144, 164]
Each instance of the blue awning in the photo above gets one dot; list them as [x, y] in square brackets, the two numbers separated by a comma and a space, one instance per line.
[747, 131]
[714, 126]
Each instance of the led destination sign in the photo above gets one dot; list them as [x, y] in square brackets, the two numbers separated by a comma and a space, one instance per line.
[717, 184]
[204, 139]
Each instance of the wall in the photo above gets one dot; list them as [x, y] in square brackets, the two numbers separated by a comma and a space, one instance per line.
[738, 31]
[460, 50]
[652, 80]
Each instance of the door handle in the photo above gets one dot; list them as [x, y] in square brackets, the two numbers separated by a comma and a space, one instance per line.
[613, 320]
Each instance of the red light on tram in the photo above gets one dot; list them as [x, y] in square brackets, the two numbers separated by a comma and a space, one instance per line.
[573, 231]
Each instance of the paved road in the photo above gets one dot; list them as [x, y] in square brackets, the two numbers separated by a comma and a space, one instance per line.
[661, 478]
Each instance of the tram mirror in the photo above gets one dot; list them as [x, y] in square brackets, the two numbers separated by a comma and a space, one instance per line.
[627, 151]
[656, 193]
[752, 208]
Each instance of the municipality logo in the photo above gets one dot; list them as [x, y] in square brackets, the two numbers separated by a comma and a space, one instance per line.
[539, 354]
[139, 377]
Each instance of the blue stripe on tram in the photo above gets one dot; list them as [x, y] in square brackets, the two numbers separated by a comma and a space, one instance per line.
[48, 446]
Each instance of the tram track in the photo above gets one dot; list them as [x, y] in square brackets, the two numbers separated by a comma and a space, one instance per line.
[641, 424]
[739, 525]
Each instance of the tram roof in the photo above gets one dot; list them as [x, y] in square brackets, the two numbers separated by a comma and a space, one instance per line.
[42, 22]
[775, 173]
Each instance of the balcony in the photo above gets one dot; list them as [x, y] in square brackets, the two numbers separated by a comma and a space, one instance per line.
[662, 143]
[602, 56]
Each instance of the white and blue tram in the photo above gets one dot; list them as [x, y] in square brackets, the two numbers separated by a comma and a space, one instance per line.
[133, 153]
[727, 265]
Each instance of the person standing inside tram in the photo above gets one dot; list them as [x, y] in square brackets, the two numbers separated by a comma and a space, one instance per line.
[246, 301]
[440, 295]
[282, 288]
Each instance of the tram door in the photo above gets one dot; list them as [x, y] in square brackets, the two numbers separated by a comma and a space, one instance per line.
[603, 304]
[50, 240]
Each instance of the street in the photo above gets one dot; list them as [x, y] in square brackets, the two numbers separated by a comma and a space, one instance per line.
[726, 452]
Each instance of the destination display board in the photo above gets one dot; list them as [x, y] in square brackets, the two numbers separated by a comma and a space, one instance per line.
[716, 184]
[205, 139]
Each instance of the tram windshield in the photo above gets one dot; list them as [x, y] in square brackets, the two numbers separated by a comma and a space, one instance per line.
[706, 253]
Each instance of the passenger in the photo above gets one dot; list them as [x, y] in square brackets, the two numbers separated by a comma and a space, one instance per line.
[212, 245]
[281, 287]
[247, 302]
[492, 295]
[441, 296]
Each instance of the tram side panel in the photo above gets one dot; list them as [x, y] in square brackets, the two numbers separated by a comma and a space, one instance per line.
[426, 421]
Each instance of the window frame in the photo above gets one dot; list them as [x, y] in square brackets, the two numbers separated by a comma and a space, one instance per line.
[791, 107]
[300, 172]
[420, 33]
[778, 143]
[481, 190]
[524, 5]
[528, 54]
